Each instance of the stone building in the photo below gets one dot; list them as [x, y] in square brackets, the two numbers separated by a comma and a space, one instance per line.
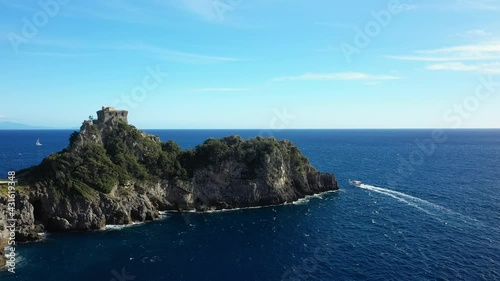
[108, 113]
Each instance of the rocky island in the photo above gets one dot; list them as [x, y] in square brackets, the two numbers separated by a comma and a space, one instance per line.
[112, 173]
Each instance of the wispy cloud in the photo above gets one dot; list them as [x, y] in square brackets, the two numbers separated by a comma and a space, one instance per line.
[208, 10]
[336, 25]
[203, 8]
[337, 76]
[58, 54]
[478, 52]
[475, 33]
[73, 48]
[69, 44]
[222, 90]
[482, 58]
[169, 54]
[124, 11]
[408, 7]
[489, 68]
[492, 5]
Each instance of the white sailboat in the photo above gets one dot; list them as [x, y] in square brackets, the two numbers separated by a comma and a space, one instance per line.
[38, 143]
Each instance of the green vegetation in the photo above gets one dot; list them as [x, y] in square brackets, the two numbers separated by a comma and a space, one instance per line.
[140, 157]
[73, 138]
[250, 153]
[87, 166]
[4, 189]
[82, 170]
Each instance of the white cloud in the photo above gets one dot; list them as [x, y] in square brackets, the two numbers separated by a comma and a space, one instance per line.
[211, 10]
[336, 25]
[481, 58]
[169, 54]
[408, 7]
[478, 52]
[489, 68]
[203, 8]
[222, 90]
[455, 66]
[59, 54]
[150, 50]
[336, 76]
[492, 5]
[465, 48]
[475, 33]
[372, 83]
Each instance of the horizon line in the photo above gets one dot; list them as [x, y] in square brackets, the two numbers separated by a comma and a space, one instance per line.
[261, 129]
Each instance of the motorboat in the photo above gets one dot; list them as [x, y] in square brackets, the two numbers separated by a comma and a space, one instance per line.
[356, 183]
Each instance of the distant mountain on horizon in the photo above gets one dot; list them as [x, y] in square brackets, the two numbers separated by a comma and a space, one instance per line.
[7, 125]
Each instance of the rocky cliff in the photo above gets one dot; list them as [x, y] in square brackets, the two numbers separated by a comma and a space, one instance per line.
[3, 234]
[112, 173]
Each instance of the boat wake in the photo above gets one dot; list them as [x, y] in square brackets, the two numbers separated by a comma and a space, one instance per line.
[438, 212]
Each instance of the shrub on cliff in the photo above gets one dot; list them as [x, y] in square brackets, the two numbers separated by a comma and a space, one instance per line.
[81, 170]
[97, 170]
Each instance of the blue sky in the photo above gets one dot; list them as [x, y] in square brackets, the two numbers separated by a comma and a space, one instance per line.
[253, 64]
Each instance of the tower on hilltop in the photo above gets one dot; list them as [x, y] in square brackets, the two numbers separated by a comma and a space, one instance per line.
[110, 113]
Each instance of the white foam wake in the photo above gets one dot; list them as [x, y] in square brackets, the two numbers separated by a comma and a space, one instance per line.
[425, 206]
[121, 226]
[413, 198]
[413, 204]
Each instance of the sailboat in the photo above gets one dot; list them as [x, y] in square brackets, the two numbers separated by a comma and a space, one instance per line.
[38, 143]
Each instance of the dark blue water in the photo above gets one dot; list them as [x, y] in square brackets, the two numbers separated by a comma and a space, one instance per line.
[443, 224]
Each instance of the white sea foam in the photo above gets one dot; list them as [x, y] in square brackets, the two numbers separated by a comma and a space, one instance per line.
[163, 214]
[236, 209]
[413, 198]
[308, 198]
[425, 206]
[43, 235]
[121, 226]
[403, 201]
[299, 201]
[20, 260]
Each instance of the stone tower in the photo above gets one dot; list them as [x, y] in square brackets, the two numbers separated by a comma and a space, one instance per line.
[110, 113]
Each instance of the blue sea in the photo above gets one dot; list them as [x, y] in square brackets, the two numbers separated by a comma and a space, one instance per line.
[428, 210]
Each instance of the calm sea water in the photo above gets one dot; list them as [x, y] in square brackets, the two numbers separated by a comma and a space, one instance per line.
[440, 220]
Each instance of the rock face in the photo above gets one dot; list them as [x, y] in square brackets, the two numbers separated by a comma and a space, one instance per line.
[3, 235]
[111, 173]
